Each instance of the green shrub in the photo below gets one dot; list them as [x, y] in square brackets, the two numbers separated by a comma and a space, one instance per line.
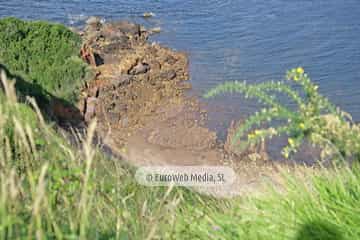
[313, 119]
[43, 54]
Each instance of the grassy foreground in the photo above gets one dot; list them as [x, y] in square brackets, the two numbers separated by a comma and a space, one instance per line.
[51, 189]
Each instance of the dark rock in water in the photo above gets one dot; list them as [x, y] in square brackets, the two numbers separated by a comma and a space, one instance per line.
[140, 68]
[168, 75]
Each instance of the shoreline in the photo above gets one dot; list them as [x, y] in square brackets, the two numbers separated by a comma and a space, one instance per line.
[144, 115]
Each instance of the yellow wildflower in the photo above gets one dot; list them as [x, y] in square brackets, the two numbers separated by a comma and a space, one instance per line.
[296, 78]
[124, 150]
[302, 126]
[272, 131]
[251, 136]
[291, 142]
[257, 132]
[285, 154]
[300, 70]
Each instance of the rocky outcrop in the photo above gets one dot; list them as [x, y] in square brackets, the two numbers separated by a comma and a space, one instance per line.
[138, 98]
[139, 91]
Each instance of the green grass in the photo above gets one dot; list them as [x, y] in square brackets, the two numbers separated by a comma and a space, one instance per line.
[53, 189]
[325, 209]
[49, 189]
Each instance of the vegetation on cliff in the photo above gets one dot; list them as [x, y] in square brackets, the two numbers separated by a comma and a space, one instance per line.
[51, 188]
[45, 55]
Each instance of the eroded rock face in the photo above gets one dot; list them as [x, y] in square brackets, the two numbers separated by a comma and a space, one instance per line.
[139, 90]
[138, 97]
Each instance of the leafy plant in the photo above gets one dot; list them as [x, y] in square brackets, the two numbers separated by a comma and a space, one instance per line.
[313, 118]
[43, 54]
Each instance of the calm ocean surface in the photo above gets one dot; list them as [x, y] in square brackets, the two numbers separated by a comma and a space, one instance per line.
[237, 40]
